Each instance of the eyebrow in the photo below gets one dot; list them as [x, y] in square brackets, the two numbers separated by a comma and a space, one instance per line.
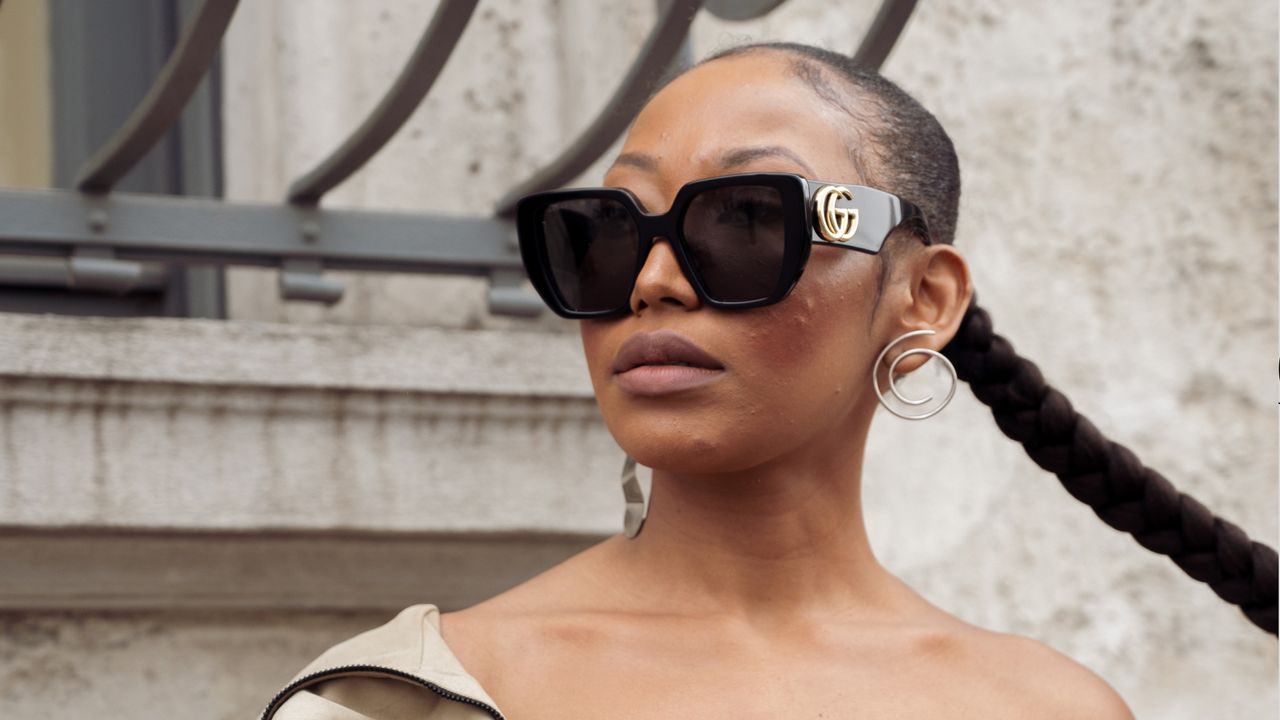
[742, 156]
[729, 160]
[637, 160]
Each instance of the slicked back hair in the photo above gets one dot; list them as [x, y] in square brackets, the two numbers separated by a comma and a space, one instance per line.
[902, 147]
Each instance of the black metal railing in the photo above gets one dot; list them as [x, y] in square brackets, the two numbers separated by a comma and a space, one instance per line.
[104, 236]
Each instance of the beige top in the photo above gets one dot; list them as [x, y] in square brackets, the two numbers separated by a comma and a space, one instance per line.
[398, 671]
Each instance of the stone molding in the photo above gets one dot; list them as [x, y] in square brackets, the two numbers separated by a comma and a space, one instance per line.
[96, 570]
[161, 463]
[217, 352]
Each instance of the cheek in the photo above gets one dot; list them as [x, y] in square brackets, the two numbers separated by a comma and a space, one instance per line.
[806, 358]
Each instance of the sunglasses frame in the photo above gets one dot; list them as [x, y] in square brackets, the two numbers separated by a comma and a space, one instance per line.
[868, 216]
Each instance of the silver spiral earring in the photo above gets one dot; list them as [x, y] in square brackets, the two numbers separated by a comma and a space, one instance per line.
[637, 510]
[893, 386]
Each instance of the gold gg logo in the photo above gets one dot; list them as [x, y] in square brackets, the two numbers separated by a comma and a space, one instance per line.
[834, 223]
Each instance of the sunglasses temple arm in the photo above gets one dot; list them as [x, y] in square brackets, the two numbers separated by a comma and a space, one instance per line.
[913, 217]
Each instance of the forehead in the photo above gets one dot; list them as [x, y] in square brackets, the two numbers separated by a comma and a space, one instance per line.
[700, 125]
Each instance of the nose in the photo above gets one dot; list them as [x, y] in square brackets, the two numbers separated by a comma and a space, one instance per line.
[662, 282]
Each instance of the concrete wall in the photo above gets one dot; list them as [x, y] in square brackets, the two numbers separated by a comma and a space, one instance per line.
[193, 509]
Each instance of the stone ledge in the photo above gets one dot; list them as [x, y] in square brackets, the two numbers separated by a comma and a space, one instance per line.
[93, 569]
[218, 352]
[162, 455]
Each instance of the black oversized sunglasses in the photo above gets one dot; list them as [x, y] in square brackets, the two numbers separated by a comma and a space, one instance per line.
[741, 240]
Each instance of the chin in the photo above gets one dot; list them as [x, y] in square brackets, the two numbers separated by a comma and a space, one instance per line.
[709, 451]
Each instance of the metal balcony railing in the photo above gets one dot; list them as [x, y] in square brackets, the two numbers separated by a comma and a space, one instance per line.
[103, 237]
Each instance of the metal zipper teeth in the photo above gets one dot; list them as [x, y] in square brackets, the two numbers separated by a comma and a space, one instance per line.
[294, 686]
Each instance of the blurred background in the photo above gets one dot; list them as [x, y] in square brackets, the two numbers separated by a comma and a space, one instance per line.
[203, 484]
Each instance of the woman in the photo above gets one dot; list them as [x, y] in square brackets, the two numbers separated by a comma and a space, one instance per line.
[751, 589]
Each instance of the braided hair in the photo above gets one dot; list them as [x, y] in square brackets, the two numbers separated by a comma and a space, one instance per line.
[910, 155]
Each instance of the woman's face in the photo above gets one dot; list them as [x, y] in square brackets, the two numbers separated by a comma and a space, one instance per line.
[794, 372]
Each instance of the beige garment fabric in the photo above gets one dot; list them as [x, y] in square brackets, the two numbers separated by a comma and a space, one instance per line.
[398, 671]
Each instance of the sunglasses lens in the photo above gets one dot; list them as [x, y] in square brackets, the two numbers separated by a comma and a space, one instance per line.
[591, 246]
[736, 236]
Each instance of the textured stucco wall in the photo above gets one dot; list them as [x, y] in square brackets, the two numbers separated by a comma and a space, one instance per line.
[155, 665]
[1119, 215]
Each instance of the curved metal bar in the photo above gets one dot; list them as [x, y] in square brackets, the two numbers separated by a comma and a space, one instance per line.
[188, 63]
[739, 10]
[883, 33]
[660, 49]
[415, 80]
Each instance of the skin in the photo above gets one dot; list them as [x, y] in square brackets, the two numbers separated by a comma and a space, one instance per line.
[753, 591]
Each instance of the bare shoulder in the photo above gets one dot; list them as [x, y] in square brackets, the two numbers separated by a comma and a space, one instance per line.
[515, 625]
[476, 634]
[469, 635]
[1044, 680]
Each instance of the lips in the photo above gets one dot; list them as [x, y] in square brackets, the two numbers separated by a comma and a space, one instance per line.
[662, 347]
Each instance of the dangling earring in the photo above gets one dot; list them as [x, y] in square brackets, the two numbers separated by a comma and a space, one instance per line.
[893, 386]
[633, 519]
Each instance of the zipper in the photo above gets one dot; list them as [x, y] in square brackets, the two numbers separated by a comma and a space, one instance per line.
[314, 677]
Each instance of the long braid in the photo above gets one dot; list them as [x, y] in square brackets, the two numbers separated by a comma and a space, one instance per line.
[911, 156]
[1108, 477]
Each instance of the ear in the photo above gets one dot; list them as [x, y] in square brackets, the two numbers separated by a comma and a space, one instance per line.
[936, 295]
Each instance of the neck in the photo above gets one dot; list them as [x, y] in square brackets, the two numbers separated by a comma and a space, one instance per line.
[783, 538]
